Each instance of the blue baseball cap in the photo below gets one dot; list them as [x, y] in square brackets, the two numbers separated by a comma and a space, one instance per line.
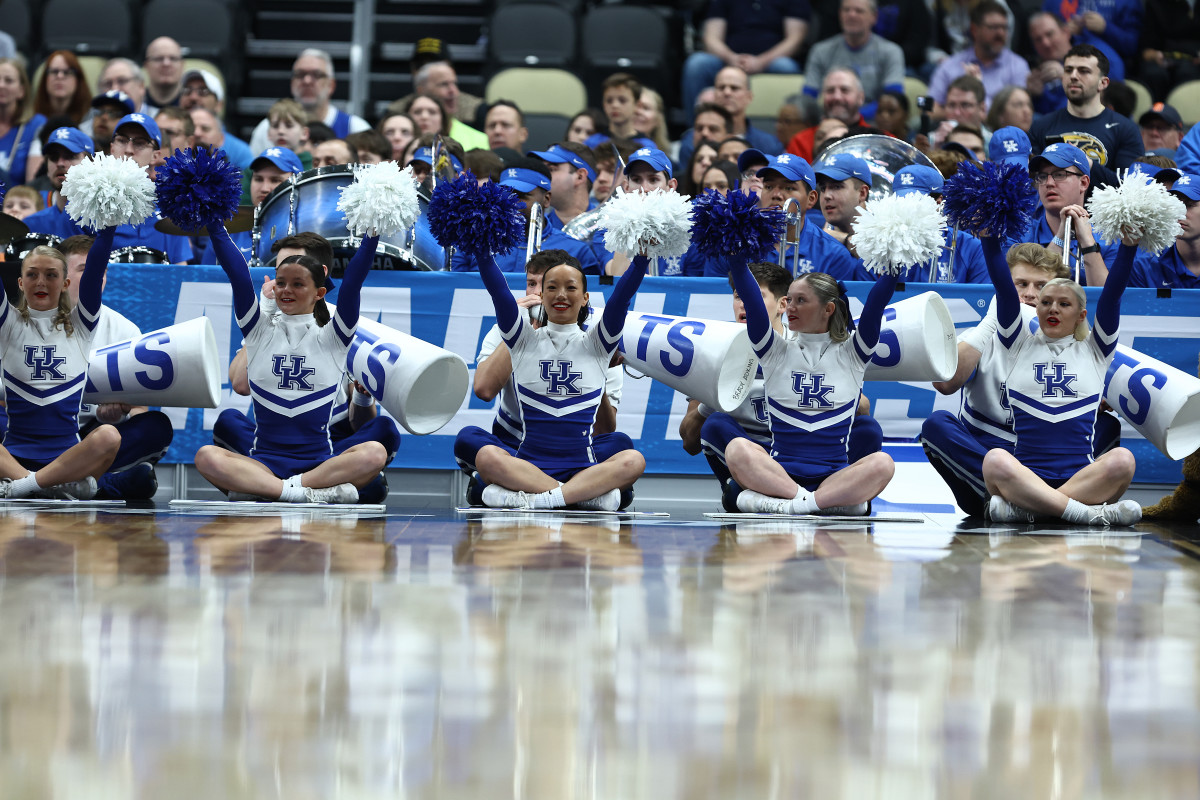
[73, 139]
[114, 97]
[656, 158]
[1188, 186]
[1159, 174]
[557, 154]
[794, 168]
[1061, 154]
[1010, 146]
[146, 123]
[751, 158]
[843, 166]
[425, 156]
[917, 179]
[596, 139]
[281, 157]
[523, 180]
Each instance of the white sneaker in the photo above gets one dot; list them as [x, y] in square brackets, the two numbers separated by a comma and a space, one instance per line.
[857, 510]
[1000, 510]
[758, 503]
[1125, 513]
[495, 496]
[76, 490]
[343, 493]
[609, 501]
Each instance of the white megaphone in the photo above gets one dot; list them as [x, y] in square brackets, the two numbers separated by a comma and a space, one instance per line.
[917, 342]
[419, 384]
[174, 366]
[1160, 401]
[708, 360]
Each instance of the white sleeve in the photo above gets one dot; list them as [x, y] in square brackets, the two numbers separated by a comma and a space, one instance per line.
[979, 336]
[490, 343]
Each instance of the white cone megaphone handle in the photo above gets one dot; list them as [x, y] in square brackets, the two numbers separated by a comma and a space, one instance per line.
[175, 366]
[707, 360]
[418, 383]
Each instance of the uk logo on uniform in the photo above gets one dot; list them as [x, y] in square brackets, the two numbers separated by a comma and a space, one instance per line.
[559, 378]
[1054, 380]
[294, 376]
[45, 365]
[813, 394]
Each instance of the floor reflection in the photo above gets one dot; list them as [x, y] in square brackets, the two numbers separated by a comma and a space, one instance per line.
[539, 656]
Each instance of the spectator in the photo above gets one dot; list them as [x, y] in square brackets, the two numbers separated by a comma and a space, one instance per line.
[433, 73]
[970, 139]
[1110, 140]
[1106, 24]
[20, 151]
[891, 114]
[702, 158]
[177, 129]
[721, 177]
[107, 108]
[138, 139]
[841, 100]
[505, 126]
[63, 90]
[965, 105]
[1012, 107]
[765, 39]
[585, 124]
[1051, 42]
[22, 201]
[731, 148]
[450, 161]
[123, 75]
[844, 183]
[734, 96]
[164, 66]
[1162, 130]
[989, 59]
[606, 164]
[1120, 98]
[1170, 46]
[572, 169]
[620, 93]
[877, 63]
[202, 89]
[649, 118]
[952, 28]
[439, 81]
[372, 146]
[1177, 267]
[288, 128]
[399, 129]
[313, 84]
[65, 148]
[483, 164]
[334, 152]
[429, 114]
[790, 120]
[909, 24]
[320, 132]
[211, 134]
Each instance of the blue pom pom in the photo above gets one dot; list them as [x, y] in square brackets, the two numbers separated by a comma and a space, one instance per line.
[996, 199]
[196, 187]
[485, 219]
[735, 225]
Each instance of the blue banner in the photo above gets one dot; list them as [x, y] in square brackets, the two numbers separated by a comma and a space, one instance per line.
[454, 311]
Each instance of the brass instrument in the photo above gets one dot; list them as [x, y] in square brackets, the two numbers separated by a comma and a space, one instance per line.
[792, 218]
[537, 222]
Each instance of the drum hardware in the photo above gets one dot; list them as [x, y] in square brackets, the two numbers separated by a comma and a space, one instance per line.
[11, 228]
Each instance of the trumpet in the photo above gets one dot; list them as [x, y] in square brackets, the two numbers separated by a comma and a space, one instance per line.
[533, 238]
[1069, 229]
[793, 217]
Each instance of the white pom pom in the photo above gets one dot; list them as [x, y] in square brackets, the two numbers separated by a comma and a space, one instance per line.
[893, 233]
[1140, 207]
[382, 198]
[105, 191]
[656, 223]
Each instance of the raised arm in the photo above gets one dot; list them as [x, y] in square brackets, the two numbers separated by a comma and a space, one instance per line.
[871, 319]
[612, 321]
[245, 297]
[348, 303]
[508, 314]
[758, 321]
[1008, 302]
[1108, 307]
[91, 282]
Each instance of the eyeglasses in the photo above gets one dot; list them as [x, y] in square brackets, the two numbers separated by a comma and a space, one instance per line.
[1059, 175]
[140, 143]
[199, 91]
[112, 112]
[165, 59]
[112, 83]
[60, 73]
[310, 74]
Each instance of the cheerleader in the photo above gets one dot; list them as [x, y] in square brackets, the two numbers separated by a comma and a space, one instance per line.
[44, 346]
[559, 372]
[296, 361]
[812, 388]
[1054, 386]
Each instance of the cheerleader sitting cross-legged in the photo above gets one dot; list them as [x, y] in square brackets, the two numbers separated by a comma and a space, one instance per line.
[296, 361]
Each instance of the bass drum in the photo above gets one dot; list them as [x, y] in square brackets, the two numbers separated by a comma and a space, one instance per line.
[885, 155]
[308, 203]
[14, 254]
[138, 255]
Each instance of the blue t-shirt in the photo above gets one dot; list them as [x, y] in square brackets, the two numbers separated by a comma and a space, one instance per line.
[755, 26]
[969, 266]
[819, 252]
[515, 260]
[1164, 271]
[1039, 233]
[14, 148]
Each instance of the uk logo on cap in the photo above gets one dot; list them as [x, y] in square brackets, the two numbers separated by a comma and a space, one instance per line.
[907, 179]
[645, 151]
[784, 159]
[1010, 146]
[62, 133]
[1184, 180]
[273, 152]
[138, 118]
[512, 173]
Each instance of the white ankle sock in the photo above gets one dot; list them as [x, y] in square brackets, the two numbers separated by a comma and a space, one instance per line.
[1077, 512]
[550, 499]
[23, 487]
[804, 502]
[293, 492]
